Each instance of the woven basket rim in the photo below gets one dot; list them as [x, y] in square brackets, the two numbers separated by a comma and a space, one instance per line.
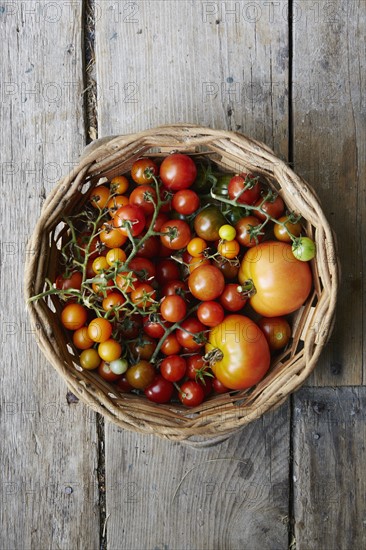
[220, 416]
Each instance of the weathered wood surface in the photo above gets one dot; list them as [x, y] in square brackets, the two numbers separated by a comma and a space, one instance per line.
[329, 129]
[217, 71]
[235, 495]
[49, 490]
[329, 432]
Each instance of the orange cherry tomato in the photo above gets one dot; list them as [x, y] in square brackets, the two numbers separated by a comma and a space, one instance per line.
[99, 330]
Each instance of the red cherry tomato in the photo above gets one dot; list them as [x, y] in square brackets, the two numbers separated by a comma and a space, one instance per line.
[231, 299]
[210, 313]
[171, 346]
[144, 196]
[186, 202]
[173, 308]
[191, 394]
[160, 390]
[218, 386]
[245, 229]
[191, 334]
[175, 234]
[177, 171]
[173, 368]
[131, 217]
[237, 185]
[274, 208]
[206, 282]
[139, 171]
[73, 281]
[167, 270]
[155, 325]
[143, 268]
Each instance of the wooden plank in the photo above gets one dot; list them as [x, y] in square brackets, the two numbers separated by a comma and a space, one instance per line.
[213, 68]
[329, 465]
[235, 495]
[329, 115]
[49, 491]
[218, 64]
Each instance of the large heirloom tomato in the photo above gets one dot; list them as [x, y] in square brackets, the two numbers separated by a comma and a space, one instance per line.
[281, 282]
[240, 355]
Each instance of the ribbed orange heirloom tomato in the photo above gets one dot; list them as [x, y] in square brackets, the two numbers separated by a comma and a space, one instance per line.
[240, 353]
[281, 282]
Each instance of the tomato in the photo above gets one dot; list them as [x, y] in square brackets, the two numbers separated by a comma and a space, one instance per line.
[281, 283]
[231, 299]
[196, 366]
[191, 394]
[143, 268]
[194, 263]
[228, 268]
[174, 287]
[126, 281]
[123, 384]
[191, 334]
[161, 218]
[105, 372]
[115, 256]
[141, 375]
[210, 313]
[73, 281]
[89, 359]
[186, 202]
[244, 188]
[87, 246]
[228, 249]
[218, 386]
[196, 247]
[220, 187]
[113, 301]
[206, 282]
[102, 287]
[173, 308]
[100, 264]
[171, 346]
[206, 385]
[139, 171]
[131, 219]
[118, 366]
[149, 248]
[74, 316]
[167, 270]
[110, 350]
[99, 330]
[247, 232]
[276, 330]
[274, 207]
[130, 326]
[166, 199]
[99, 196]
[155, 326]
[143, 295]
[81, 339]
[119, 185]
[160, 390]
[207, 223]
[240, 353]
[144, 348]
[175, 234]
[112, 237]
[144, 196]
[280, 231]
[177, 171]
[173, 368]
[227, 232]
[304, 249]
[115, 203]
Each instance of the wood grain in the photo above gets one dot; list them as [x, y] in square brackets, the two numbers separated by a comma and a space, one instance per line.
[193, 61]
[216, 70]
[235, 495]
[329, 462]
[49, 490]
[329, 127]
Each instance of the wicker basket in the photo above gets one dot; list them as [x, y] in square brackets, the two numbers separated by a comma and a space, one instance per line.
[222, 414]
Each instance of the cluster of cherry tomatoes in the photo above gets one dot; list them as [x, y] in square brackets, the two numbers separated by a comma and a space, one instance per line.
[159, 267]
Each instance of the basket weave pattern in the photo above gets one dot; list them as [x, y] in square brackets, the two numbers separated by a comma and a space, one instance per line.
[312, 324]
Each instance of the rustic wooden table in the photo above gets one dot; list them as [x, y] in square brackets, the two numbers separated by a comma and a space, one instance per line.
[291, 74]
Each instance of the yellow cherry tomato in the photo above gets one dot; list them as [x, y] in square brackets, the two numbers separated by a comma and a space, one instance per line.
[227, 232]
[115, 255]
